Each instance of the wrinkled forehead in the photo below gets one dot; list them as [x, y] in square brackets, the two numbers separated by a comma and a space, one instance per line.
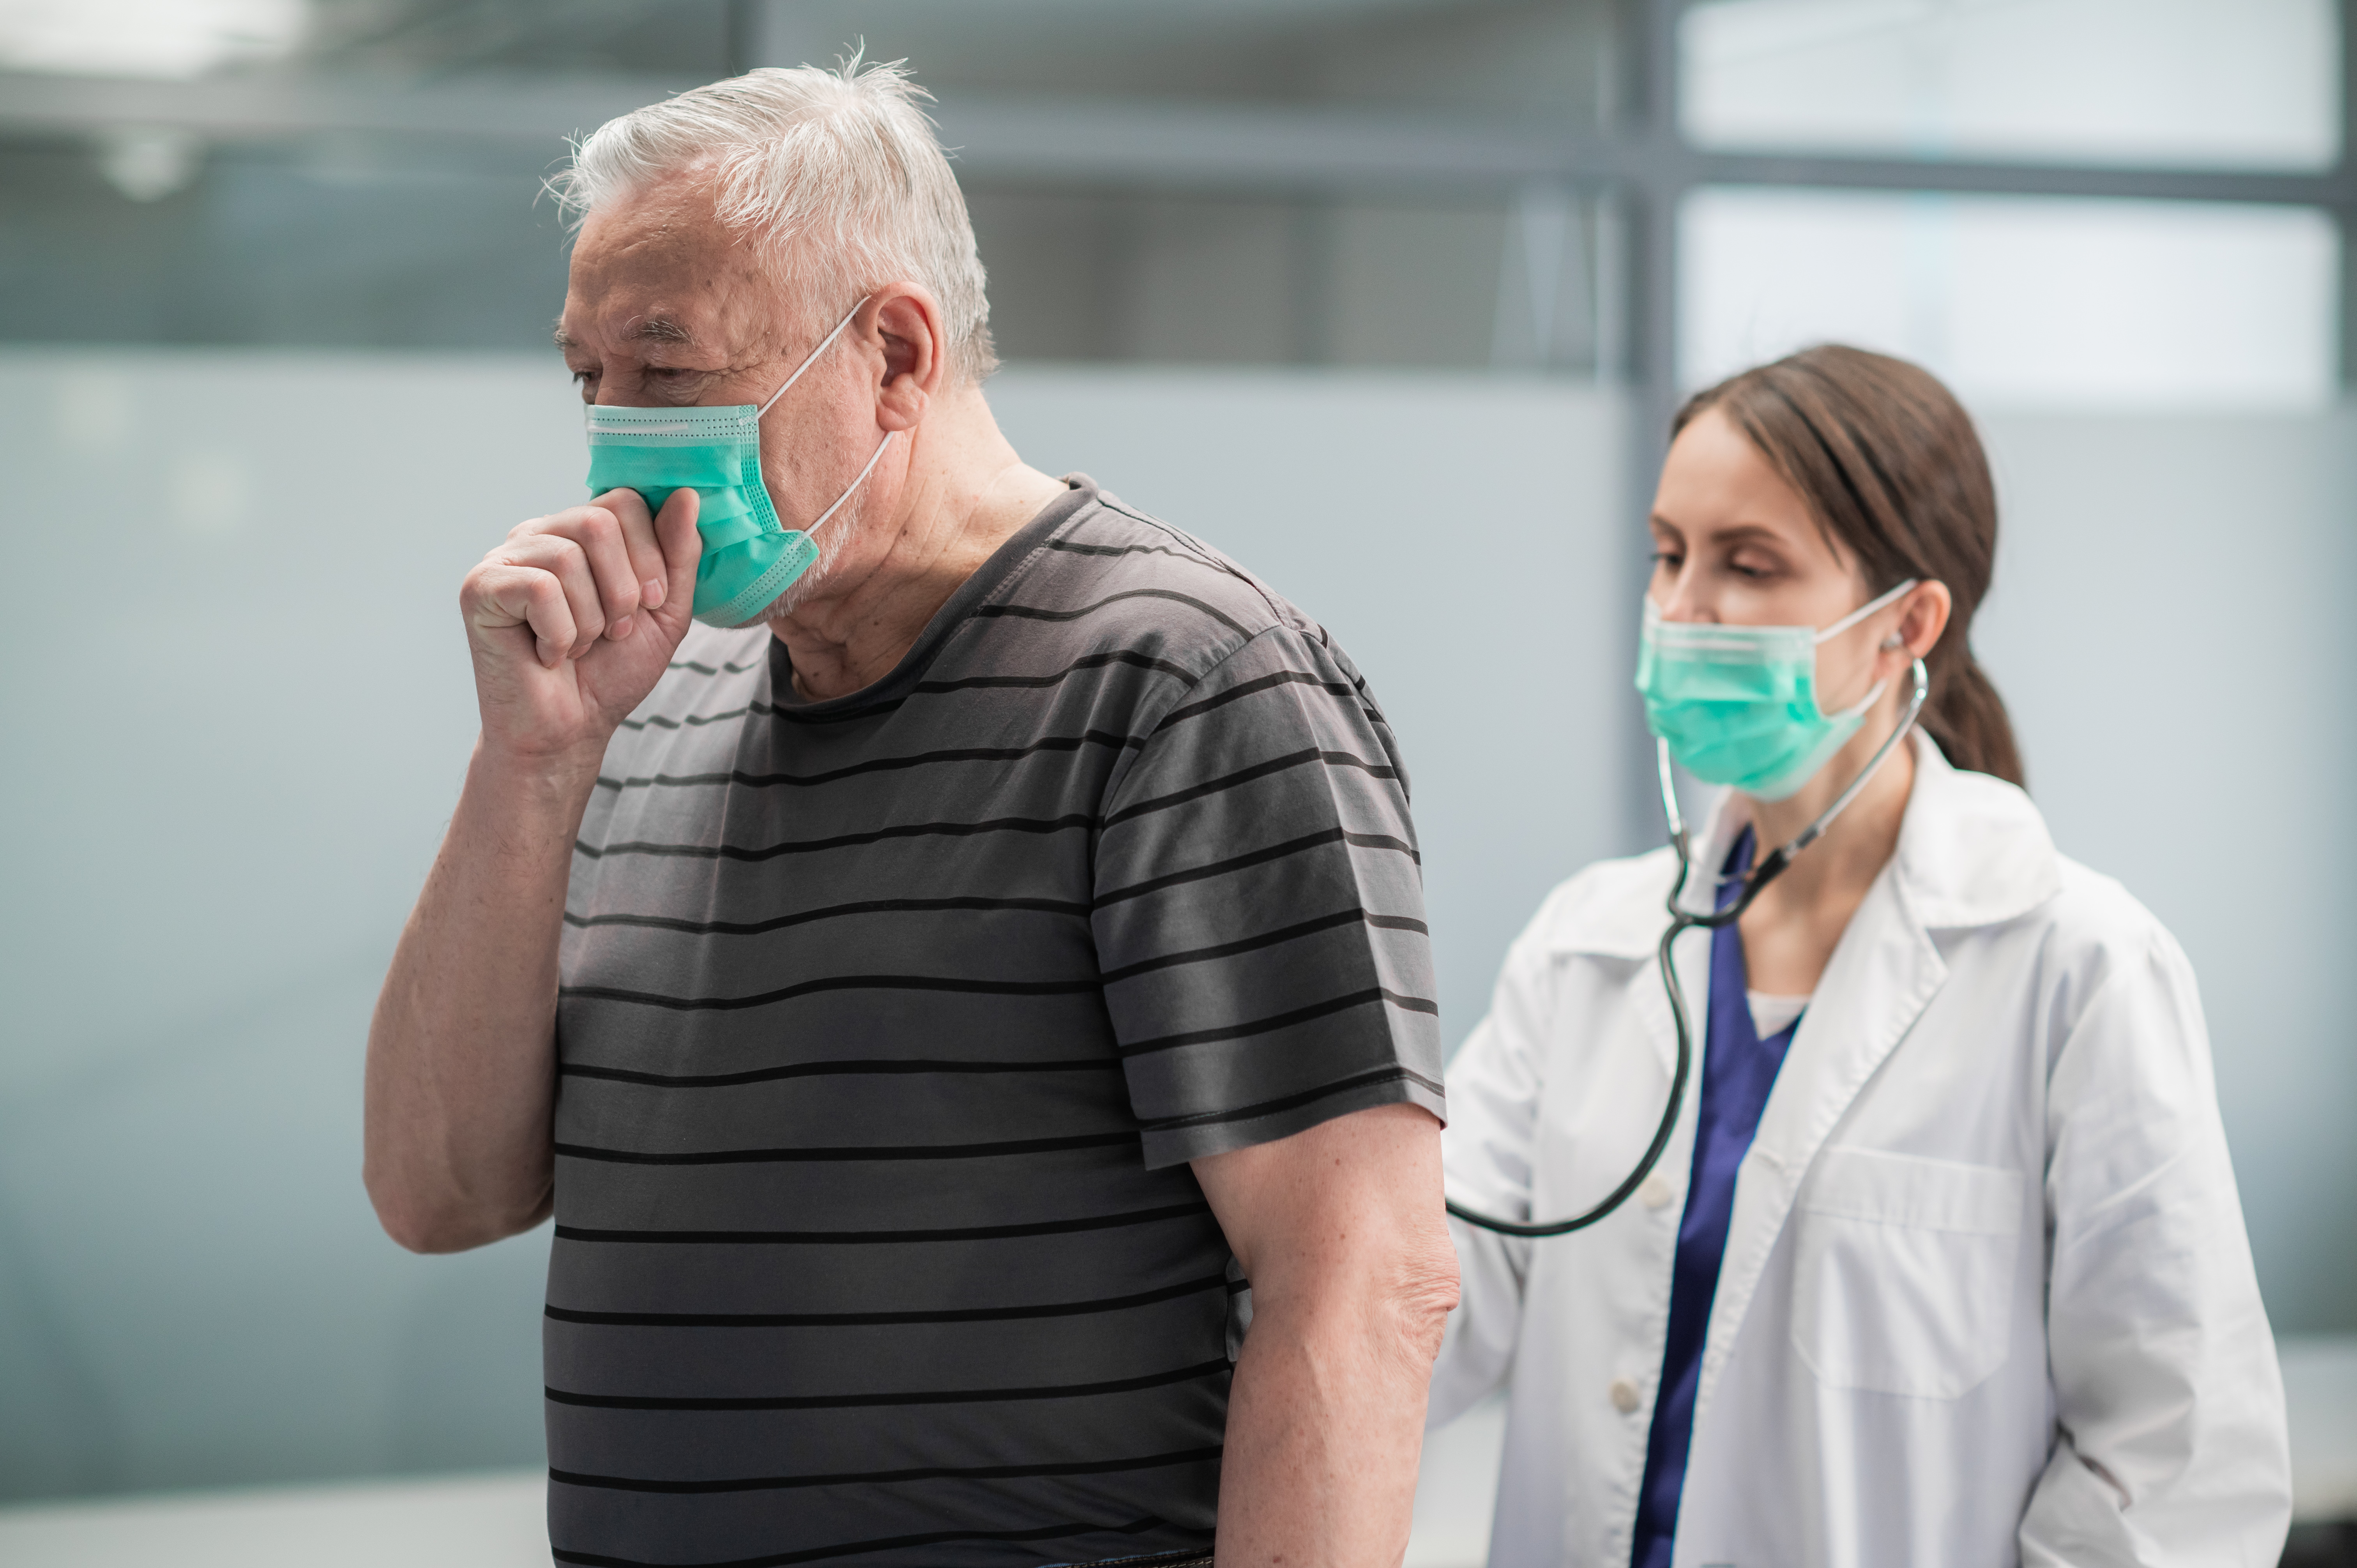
[655, 268]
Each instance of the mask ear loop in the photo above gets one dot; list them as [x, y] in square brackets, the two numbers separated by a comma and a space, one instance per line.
[853, 488]
[1893, 641]
[811, 360]
[1865, 609]
[875, 457]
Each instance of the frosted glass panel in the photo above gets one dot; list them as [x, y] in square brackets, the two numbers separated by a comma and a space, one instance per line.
[2196, 83]
[2022, 302]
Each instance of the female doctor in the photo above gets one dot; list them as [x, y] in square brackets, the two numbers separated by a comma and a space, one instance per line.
[1943, 1261]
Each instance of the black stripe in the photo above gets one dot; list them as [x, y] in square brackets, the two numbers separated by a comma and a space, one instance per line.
[1266, 939]
[1258, 857]
[1292, 1101]
[843, 840]
[1197, 556]
[831, 912]
[878, 1152]
[1254, 688]
[825, 1069]
[1258, 771]
[1032, 682]
[660, 721]
[866, 1238]
[893, 1320]
[1384, 841]
[876, 1401]
[1373, 995]
[783, 714]
[881, 1477]
[885, 1544]
[787, 714]
[923, 688]
[1063, 742]
[1148, 520]
[833, 983]
[1032, 612]
[708, 670]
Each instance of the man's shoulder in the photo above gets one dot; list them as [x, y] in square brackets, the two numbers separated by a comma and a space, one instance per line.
[1126, 573]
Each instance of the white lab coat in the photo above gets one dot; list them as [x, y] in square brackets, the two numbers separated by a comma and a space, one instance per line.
[1987, 1296]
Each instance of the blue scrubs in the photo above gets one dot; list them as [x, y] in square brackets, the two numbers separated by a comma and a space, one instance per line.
[1739, 1070]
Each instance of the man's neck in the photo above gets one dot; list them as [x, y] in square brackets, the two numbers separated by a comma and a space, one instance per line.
[965, 494]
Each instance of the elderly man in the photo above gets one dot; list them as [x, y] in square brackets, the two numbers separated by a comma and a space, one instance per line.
[970, 1021]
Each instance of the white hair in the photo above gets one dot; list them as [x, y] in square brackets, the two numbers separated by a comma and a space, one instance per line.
[837, 173]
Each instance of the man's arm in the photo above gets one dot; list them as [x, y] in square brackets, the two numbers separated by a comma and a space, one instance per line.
[571, 622]
[1339, 1227]
[461, 1077]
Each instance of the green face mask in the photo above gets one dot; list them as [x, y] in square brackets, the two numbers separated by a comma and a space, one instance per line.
[749, 558]
[1737, 705]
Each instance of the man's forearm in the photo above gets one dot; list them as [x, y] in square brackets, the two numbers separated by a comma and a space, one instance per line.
[462, 1069]
[1325, 1425]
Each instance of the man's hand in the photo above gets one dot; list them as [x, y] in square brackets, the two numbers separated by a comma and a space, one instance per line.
[1340, 1229]
[573, 620]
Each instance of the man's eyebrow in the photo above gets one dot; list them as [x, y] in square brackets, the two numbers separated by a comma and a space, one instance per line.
[654, 329]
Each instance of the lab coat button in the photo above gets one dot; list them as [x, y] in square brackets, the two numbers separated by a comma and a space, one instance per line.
[1624, 1395]
[1655, 1192]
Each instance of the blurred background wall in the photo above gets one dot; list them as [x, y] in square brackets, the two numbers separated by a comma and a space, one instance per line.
[1390, 298]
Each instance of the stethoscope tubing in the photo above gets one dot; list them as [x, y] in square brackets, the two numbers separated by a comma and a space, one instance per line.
[1682, 920]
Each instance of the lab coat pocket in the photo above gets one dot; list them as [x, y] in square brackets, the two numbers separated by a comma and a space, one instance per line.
[1903, 1271]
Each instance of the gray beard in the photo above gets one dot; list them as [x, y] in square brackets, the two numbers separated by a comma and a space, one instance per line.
[839, 528]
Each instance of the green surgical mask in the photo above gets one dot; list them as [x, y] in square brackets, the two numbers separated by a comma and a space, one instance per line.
[749, 558]
[1737, 705]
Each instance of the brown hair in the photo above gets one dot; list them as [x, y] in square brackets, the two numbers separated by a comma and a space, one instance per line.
[1888, 460]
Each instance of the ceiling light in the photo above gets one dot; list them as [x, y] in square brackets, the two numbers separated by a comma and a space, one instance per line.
[166, 38]
[147, 163]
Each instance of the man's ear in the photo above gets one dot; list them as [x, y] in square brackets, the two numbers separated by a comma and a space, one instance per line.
[904, 323]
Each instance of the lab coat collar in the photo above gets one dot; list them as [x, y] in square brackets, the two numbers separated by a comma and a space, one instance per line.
[1972, 851]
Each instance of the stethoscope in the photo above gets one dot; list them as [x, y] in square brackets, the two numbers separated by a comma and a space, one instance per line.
[1681, 921]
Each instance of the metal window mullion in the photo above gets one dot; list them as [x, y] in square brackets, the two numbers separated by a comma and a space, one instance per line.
[2346, 211]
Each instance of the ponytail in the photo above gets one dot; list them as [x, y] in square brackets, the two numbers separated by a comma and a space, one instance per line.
[1968, 719]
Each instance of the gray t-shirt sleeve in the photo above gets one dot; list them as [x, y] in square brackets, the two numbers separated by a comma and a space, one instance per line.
[1259, 910]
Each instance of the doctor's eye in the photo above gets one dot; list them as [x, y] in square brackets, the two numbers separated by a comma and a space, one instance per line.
[1670, 559]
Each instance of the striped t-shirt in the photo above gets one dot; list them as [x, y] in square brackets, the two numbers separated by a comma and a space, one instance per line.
[888, 1027]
